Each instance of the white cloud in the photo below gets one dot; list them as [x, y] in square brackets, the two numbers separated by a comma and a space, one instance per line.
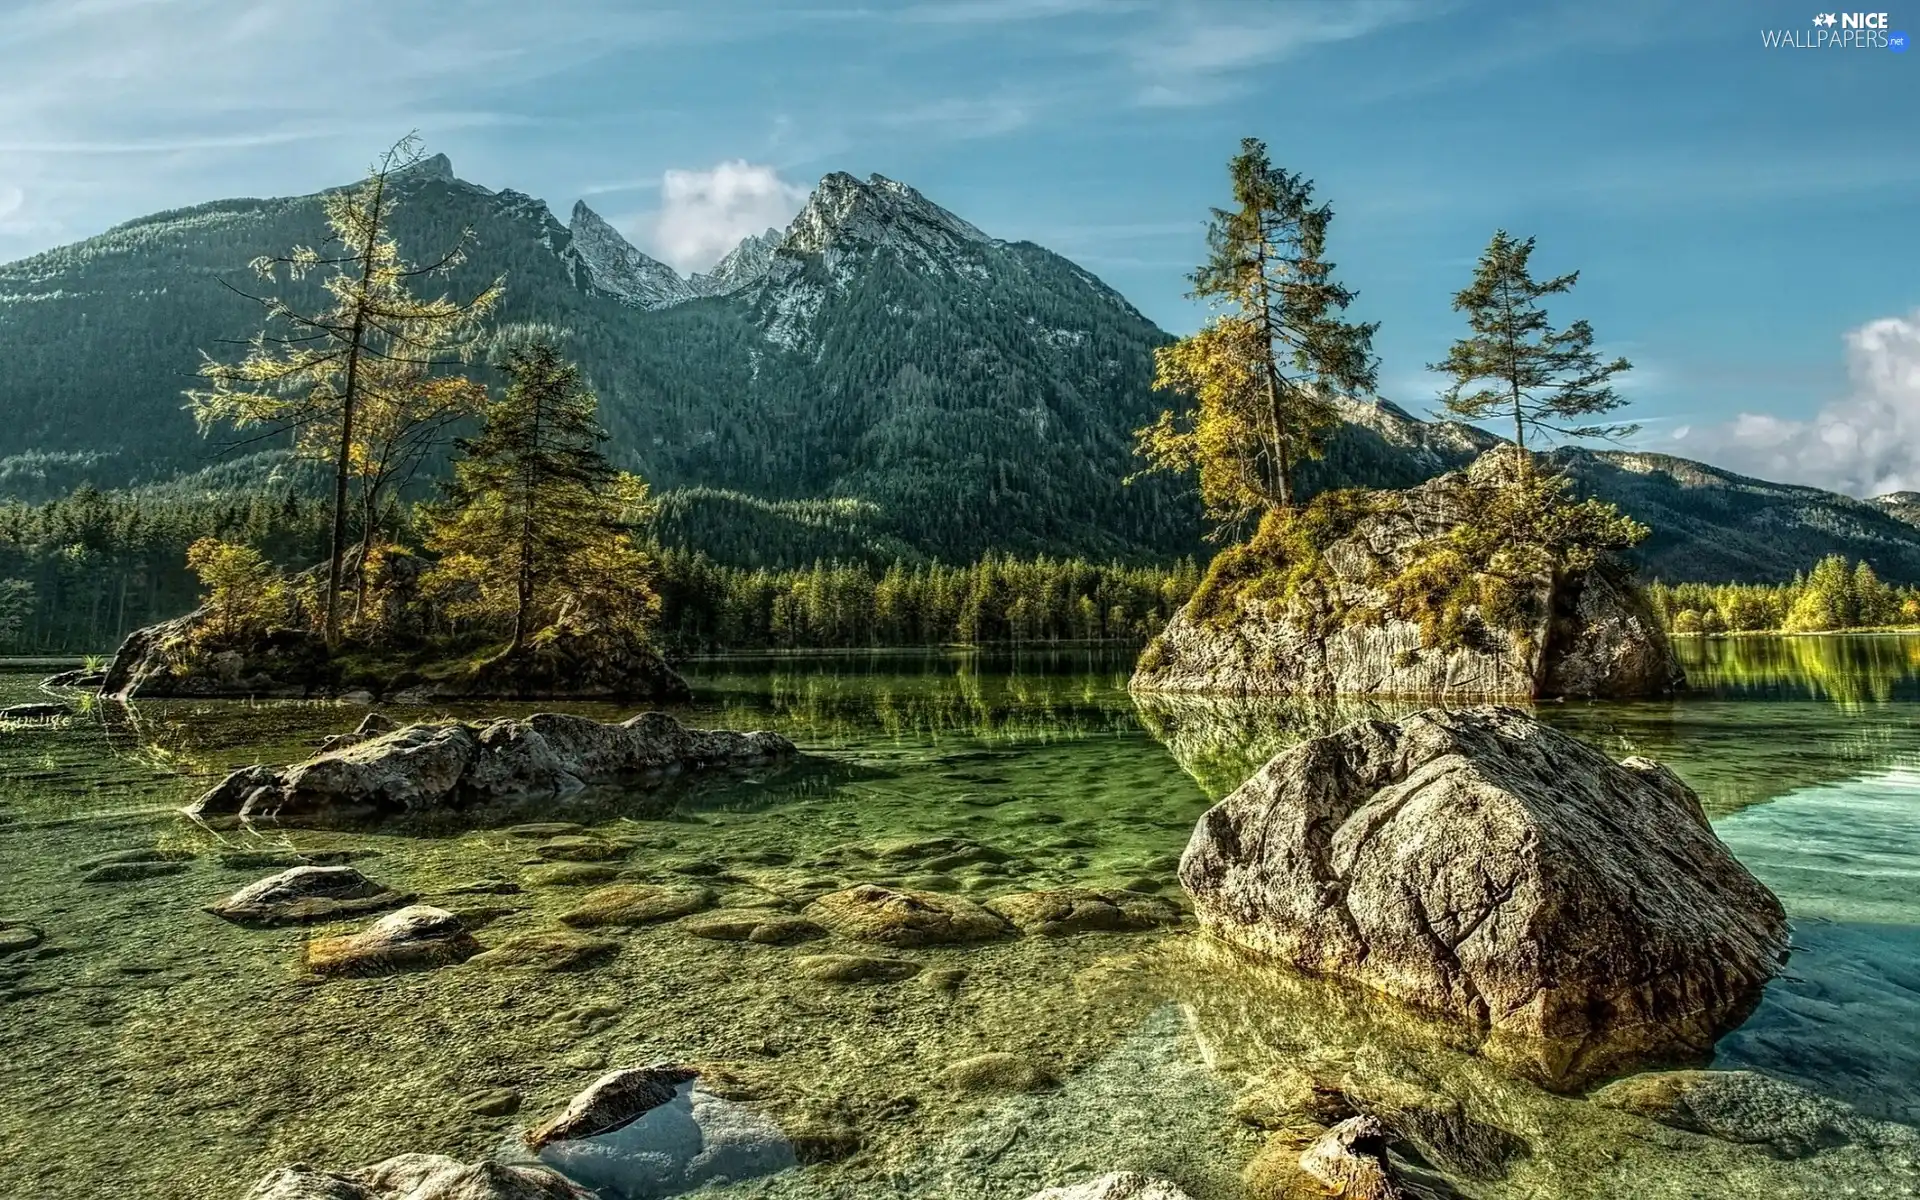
[704, 214]
[1866, 443]
[1201, 53]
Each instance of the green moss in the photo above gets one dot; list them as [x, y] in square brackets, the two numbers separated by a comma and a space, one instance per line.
[1284, 560]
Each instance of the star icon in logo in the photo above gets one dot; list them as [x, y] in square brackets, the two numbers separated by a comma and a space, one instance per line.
[1825, 19]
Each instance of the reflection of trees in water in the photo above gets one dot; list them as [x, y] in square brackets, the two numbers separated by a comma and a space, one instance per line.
[1221, 740]
[1846, 669]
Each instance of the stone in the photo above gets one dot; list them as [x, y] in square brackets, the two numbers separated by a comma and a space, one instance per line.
[578, 848]
[543, 829]
[852, 968]
[371, 726]
[305, 894]
[636, 904]
[1122, 1185]
[418, 1177]
[1479, 864]
[79, 678]
[1581, 634]
[261, 860]
[996, 1072]
[764, 926]
[493, 1102]
[124, 872]
[611, 1102]
[546, 950]
[659, 1131]
[450, 765]
[572, 874]
[34, 712]
[1055, 912]
[904, 919]
[411, 939]
[1287, 1098]
[1739, 1106]
[16, 936]
[1350, 1161]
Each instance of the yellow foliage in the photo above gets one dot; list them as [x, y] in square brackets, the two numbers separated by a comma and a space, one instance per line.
[244, 593]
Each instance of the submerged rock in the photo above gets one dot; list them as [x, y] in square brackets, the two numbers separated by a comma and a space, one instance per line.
[79, 678]
[1056, 912]
[766, 927]
[1744, 1107]
[306, 894]
[418, 1177]
[1582, 634]
[636, 904]
[852, 968]
[1480, 864]
[655, 1131]
[997, 1071]
[1122, 1185]
[1350, 1161]
[16, 936]
[870, 913]
[34, 712]
[411, 939]
[546, 950]
[450, 765]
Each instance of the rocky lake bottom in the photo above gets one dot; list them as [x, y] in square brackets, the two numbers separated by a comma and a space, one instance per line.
[154, 1050]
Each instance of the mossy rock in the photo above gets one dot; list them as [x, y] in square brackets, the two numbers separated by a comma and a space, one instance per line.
[905, 919]
[636, 904]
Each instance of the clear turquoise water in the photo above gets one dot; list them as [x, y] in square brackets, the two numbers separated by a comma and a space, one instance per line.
[1807, 752]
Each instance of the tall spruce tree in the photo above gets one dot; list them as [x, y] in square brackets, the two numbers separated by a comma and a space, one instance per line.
[537, 528]
[312, 372]
[1262, 374]
[1516, 365]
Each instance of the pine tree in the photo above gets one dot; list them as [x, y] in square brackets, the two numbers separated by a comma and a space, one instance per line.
[1516, 364]
[314, 372]
[537, 528]
[1262, 374]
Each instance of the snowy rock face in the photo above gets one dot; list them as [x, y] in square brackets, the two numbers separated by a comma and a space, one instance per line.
[744, 265]
[615, 266]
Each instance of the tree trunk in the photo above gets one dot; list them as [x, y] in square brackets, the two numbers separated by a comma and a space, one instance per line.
[338, 549]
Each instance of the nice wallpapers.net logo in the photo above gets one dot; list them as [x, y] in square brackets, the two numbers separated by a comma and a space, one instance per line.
[1839, 31]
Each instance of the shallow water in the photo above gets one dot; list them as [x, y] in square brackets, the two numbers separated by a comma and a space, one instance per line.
[212, 1057]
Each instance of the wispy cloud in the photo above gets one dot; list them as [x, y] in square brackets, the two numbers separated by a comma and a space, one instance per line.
[1202, 53]
[706, 213]
[1865, 443]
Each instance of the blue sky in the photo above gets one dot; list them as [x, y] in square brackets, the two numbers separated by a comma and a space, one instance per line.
[1744, 219]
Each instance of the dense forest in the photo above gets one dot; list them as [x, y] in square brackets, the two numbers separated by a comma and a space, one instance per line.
[1836, 594]
[78, 574]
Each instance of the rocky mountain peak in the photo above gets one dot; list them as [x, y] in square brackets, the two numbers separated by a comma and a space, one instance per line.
[434, 166]
[843, 210]
[617, 267]
[743, 265]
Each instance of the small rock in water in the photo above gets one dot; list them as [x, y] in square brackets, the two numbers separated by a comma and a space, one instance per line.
[947, 980]
[127, 871]
[149, 854]
[411, 939]
[1123, 1185]
[1058, 911]
[579, 848]
[546, 950]
[34, 712]
[699, 868]
[306, 894]
[486, 887]
[16, 936]
[764, 926]
[418, 1177]
[261, 860]
[572, 875]
[997, 1072]
[624, 1137]
[851, 968]
[1737, 1106]
[870, 913]
[1350, 1160]
[544, 829]
[494, 1102]
[636, 904]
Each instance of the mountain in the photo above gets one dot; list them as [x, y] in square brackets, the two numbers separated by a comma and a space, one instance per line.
[615, 266]
[881, 378]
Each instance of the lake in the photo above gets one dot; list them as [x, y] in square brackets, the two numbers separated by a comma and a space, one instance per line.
[153, 1050]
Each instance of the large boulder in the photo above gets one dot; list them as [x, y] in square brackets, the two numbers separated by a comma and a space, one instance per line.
[450, 765]
[1588, 634]
[1482, 865]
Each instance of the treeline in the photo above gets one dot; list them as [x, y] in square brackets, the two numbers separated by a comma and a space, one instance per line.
[1000, 599]
[1836, 594]
[78, 574]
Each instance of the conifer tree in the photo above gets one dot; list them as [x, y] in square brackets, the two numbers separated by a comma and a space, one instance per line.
[537, 528]
[1261, 374]
[313, 372]
[1515, 364]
